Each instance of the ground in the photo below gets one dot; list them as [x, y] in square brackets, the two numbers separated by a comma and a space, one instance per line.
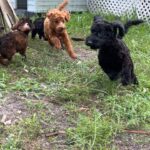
[53, 102]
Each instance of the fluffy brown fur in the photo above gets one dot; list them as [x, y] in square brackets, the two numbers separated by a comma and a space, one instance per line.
[55, 29]
[15, 41]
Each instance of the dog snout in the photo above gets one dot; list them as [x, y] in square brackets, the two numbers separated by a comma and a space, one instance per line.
[88, 41]
[26, 26]
[60, 29]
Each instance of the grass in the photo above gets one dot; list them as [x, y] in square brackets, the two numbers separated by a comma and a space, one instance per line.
[93, 131]
[72, 86]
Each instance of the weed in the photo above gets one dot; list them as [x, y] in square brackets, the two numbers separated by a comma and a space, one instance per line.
[31, 127]
[35, 105]
[93, 131]
[12, 143]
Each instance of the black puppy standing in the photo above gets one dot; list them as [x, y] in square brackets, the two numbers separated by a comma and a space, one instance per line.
[114, 56]
[38, 28]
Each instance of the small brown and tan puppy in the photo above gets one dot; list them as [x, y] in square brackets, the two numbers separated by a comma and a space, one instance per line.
[15, 41]
[55, 29]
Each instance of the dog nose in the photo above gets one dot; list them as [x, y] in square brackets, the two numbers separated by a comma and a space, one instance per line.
[88, 42]
[60, 29]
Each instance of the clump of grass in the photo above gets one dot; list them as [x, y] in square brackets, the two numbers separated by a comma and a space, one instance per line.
[92, 132]
[31, 127]
[4, 78]
[131, 109]
[17, 135]
[79, 25]
[34, 106]
[12, 143]
[73, 93]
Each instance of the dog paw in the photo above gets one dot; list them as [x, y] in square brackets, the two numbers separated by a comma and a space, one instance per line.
[58, 46]
[4, 62]
[74, 56]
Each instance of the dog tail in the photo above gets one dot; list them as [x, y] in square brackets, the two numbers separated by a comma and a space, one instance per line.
[130, 23]
[62, 5]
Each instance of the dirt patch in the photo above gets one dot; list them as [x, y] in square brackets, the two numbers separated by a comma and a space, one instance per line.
[86, 55]
[12, 109]
[132, 142]
[53, 135]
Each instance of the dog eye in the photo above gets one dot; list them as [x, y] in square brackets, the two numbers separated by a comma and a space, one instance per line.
[93, 30]
[108, 29]
[56, 21]
[98, 34]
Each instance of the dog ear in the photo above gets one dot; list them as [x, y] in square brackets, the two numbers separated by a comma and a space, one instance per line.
[66, 15]
[49, 14]
[15, 26]
[119, 30]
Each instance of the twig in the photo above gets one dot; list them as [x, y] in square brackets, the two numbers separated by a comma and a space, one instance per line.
[58, 142]
[54, 133]
[137, 132]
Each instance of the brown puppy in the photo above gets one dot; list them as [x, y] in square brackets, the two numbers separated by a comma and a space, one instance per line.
[15, 41]
[55, 29]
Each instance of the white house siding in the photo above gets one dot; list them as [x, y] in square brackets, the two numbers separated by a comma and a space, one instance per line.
[74, 5]
[44, 5]
[13, 3]
[31, 5]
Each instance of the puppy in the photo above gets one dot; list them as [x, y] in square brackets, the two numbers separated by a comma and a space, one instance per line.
[38, 28]
[15, 41]
[114, 56]
[55, 29]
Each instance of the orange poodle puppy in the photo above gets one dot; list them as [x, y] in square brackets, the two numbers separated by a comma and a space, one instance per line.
[55, 29]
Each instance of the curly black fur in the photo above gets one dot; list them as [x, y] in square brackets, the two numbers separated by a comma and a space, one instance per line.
[114, 56]
[38, 28]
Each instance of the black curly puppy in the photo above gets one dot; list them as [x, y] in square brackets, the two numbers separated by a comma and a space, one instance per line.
[38, 28]
[114, 56]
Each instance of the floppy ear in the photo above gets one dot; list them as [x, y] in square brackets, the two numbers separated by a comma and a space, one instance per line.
[67, 16]
[20, 22]
[119, 30]
[49, 14]
[15, 26]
